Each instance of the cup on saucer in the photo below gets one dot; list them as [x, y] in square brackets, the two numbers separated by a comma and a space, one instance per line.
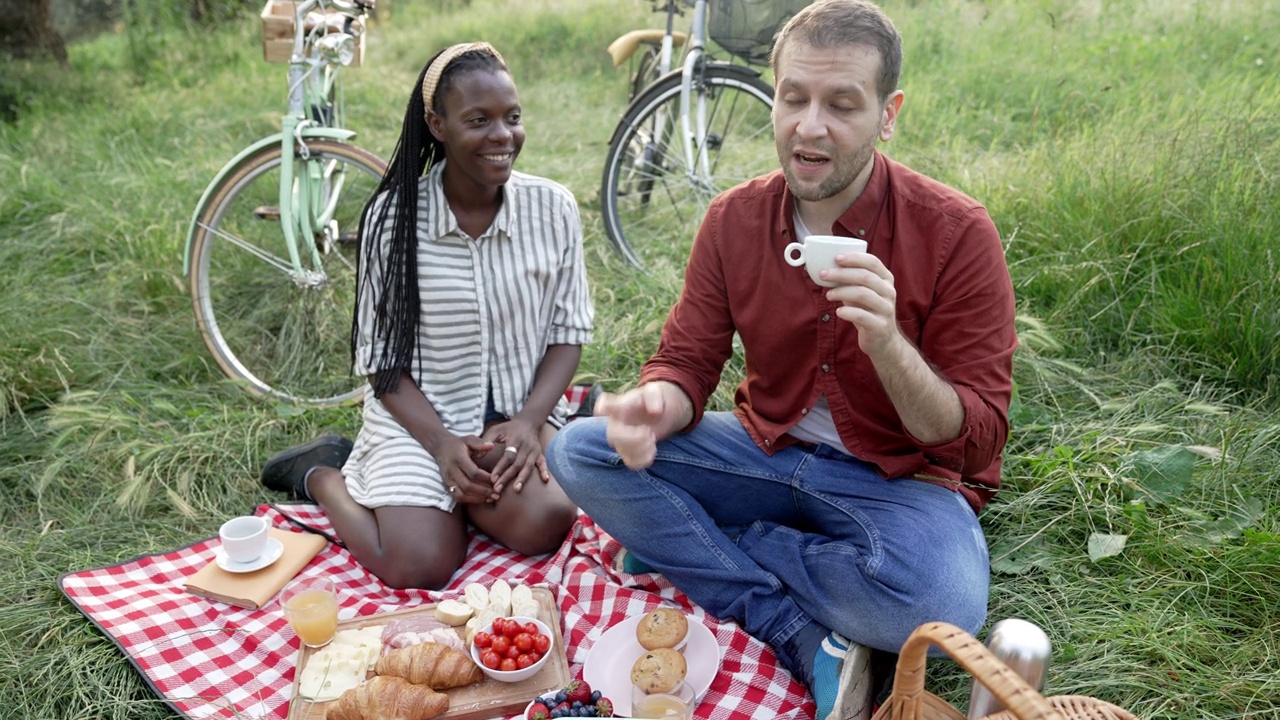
[243, 538]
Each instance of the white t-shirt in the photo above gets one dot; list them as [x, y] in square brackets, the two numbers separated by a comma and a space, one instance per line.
[817, 425]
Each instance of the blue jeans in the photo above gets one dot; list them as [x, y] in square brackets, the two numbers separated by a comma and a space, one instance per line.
[775, 542]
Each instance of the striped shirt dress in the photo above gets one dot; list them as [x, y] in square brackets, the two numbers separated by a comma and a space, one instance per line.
[490, 308]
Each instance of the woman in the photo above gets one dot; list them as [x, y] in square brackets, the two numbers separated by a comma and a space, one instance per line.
[472, 310]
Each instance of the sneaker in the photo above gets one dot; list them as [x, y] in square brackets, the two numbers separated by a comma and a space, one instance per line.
[853, 687]
[286, 471]
[837, 672]
[625, 562]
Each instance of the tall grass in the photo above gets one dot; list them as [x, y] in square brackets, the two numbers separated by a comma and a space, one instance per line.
[1124, 148]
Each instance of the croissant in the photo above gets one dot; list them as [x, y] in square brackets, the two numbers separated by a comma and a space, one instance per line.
[388, 698]
[430, 664]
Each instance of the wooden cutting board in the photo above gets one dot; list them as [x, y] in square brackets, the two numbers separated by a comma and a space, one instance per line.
[487, 699]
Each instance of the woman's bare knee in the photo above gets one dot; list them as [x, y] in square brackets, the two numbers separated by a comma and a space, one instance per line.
[543, 534]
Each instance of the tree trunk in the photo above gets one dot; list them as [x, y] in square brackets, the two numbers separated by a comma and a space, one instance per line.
[27, 30]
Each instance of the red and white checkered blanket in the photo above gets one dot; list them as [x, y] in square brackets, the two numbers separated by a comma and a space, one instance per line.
[211, 660]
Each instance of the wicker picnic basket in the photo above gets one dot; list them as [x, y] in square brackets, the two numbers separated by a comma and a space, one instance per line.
[910, 701]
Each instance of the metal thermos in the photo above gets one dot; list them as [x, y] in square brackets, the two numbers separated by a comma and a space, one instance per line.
[1022, 646]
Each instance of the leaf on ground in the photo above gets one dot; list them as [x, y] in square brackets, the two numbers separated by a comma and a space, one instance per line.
[1102, 545]
[1019, 555]
[1159, 474]
[1229, 527]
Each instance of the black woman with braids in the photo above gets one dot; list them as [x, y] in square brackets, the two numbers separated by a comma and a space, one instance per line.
[471, 315]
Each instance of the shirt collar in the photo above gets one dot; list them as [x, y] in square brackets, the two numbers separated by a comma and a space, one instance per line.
[862, 219]
[444, 223]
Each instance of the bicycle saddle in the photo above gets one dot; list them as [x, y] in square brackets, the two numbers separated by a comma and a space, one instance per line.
[625, 46]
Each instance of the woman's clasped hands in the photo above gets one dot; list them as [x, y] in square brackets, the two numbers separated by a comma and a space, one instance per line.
[477, 469]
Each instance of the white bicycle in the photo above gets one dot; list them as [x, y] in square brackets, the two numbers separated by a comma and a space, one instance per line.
[691, 130]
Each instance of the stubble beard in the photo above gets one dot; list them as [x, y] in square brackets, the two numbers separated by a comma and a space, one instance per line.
[842, 176]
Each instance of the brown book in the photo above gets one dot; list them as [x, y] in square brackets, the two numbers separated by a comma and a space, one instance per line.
[252, 590]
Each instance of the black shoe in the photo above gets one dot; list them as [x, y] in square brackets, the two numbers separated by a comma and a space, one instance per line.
[286, 471]
[587, 407]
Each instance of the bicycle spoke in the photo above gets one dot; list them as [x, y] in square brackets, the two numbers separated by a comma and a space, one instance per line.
[273, 260]
[284, 330]
[652, 201]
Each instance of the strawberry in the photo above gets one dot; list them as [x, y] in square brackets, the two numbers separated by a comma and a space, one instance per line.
[578, 690]
[538, 712]
[604, 707]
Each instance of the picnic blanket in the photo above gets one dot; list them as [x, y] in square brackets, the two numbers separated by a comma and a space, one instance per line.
[211, 660]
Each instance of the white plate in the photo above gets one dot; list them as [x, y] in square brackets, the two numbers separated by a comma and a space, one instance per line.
[608, 665]
[273, 552]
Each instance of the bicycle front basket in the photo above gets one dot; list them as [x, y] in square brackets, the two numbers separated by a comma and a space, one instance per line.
[746, 28]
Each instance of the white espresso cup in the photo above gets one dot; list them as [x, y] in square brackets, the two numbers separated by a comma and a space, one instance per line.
[243, 538]
[818, 253]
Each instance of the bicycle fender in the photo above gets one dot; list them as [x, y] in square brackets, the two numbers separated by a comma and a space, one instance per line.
[234, 164]
[625, 46]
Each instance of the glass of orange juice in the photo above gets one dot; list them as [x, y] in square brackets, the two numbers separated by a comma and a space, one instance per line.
[311, 607]
[675, 704]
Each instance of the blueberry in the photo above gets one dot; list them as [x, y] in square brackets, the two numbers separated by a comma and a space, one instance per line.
[557, 714]
[595, 696]
[561, 697]
[577, 705]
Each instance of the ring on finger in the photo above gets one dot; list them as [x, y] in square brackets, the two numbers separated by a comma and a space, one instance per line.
[453, 489]
[512, 449]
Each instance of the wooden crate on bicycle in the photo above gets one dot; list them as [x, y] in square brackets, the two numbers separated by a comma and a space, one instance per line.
[277, 30]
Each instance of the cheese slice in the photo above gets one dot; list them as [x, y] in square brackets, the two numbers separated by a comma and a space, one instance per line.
[365, 643]
[329, 673]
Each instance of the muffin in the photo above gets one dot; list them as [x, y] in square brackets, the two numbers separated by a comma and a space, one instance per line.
[658, 671]
[662, 628]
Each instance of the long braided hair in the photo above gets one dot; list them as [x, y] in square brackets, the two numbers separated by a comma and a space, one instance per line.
[393, 212]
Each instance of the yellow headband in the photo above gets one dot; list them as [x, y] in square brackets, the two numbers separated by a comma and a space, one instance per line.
[432, 77]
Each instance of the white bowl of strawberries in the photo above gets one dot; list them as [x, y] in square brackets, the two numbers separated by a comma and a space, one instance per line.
[512, 649]
[576, 699]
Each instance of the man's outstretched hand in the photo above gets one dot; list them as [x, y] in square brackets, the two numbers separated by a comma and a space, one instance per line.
[637, 419]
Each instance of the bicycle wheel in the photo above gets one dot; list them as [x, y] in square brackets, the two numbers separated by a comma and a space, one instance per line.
[284, 334]
[640, 185]
[646, 71]
[652, 197]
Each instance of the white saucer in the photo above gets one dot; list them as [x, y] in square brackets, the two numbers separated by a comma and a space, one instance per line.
[608, 665]
[273, 552]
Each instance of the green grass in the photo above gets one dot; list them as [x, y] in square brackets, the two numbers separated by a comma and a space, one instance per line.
[1126, 149]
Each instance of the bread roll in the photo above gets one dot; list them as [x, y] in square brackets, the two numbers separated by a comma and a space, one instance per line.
[453, 613]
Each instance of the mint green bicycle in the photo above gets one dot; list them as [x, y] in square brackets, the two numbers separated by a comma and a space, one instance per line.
[271, 250]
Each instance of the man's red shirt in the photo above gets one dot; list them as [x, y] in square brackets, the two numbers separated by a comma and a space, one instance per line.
[954, 303]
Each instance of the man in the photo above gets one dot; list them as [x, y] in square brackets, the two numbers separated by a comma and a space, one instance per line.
[838, 501]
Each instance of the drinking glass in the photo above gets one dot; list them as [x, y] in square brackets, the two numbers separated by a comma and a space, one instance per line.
[311, 607]
[674, 705]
